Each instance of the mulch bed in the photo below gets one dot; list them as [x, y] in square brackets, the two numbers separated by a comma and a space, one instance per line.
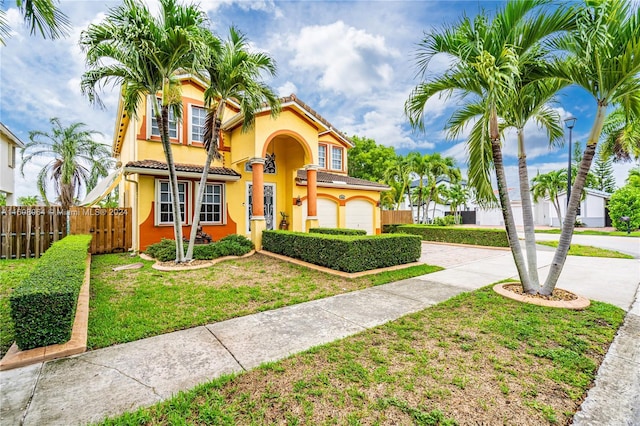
[557, 294]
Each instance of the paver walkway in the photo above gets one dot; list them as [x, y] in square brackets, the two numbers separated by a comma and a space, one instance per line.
[106, 382]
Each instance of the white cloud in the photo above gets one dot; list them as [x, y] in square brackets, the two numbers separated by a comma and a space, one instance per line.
[286, 89]
[343, 59]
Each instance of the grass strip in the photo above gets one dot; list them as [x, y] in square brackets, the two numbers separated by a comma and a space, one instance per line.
[133, 304]
[591, 232]
[588, 251]
[475, 359]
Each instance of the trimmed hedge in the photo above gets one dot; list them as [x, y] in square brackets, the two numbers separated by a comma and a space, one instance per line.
[458, 235]
[342, 252]
[337, 231]
[43, 306]
[231, 245]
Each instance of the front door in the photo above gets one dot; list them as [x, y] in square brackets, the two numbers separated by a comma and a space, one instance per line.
[269, 205]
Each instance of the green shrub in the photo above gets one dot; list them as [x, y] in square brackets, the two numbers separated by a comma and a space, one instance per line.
[625, 202]
[43, 306]
[448, 220]
[458, 235]
[337, 231]
[231, 245]
[344, 253]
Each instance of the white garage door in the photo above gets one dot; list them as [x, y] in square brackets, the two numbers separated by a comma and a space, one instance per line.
[360, 215]
[327, 214]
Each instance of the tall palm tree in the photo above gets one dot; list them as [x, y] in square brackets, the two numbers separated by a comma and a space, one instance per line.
[78, 160]
[143, 53]
[550, 185]
[439, 167]
[456, 195]
[490, 59]
[235, 74]
[40, 15]
[399, 176]
[602, 58]
[419, 165]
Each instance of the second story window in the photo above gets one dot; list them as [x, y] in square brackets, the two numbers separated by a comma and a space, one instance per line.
[198, 117]
[173, 125]
[336, 158]
[322, 156]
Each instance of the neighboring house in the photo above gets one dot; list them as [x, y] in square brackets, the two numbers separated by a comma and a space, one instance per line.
[436, 209]
[9, 145]
[295, 163]
[592, 212]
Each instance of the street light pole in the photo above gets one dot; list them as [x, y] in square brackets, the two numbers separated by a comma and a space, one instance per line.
[570, 122]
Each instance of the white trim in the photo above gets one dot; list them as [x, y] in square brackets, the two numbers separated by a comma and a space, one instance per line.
[151, 117]
[346, 186]
[190, 107]
[223, 203]
[341, 149]
[187, 200]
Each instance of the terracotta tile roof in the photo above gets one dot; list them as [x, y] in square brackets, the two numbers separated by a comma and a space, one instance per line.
[190, 168]
[326, 177]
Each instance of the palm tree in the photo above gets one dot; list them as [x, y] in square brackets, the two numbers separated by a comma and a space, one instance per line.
[399, 176]
[439, 167]
[28, 200]
[143, 53]
[78, 161]
[491, 59]
[234, 75]
[419, 165]
[550, 185]
[392, 198]
[621, 136]
[456, 195]
[41, 15]
[602, 58]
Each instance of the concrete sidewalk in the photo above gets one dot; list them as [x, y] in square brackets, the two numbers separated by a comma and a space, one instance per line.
[91, 386]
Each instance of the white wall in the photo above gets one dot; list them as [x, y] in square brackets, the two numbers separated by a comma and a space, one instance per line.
[7, 180]
[591, 211]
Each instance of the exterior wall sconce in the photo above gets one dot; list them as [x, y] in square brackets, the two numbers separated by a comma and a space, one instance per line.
[298, 201]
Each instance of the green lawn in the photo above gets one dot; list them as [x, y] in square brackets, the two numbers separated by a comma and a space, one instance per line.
[478, 358]
[11, 273]
[590, 232]
[134, 304]
[590, 251]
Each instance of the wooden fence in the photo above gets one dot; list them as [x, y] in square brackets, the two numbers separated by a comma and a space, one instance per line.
[29, 231]
[392, 217]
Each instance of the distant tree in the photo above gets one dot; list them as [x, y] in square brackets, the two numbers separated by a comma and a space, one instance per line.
[603, 173]
[398, 176]
[369, 160]
[455, 195]
[29, 200]
[40, 15]
[550, 185]
[76, 164]
[3, 199]
[390, 200]
[634, 177]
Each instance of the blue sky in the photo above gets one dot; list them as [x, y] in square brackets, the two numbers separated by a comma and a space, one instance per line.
[352, 61]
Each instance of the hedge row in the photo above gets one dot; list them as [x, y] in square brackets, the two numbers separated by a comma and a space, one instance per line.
[452, 234]
[344, 253]
[337, 231]
[43, 306]
[231, 245]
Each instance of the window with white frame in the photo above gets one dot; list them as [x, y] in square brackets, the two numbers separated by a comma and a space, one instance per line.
[336, 158]
[165, 206]
[198, 117]
[211, 211]
[322, 156]
[173, 124]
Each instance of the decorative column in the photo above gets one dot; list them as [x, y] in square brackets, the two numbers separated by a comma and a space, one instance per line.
[312, 196]
[258, 223]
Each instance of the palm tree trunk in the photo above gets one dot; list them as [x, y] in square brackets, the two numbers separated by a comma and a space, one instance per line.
[420, 198]
[572, 209]
[556, 205]
[213, 147]
[527, 214]
[505, 204]
[163, 125]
